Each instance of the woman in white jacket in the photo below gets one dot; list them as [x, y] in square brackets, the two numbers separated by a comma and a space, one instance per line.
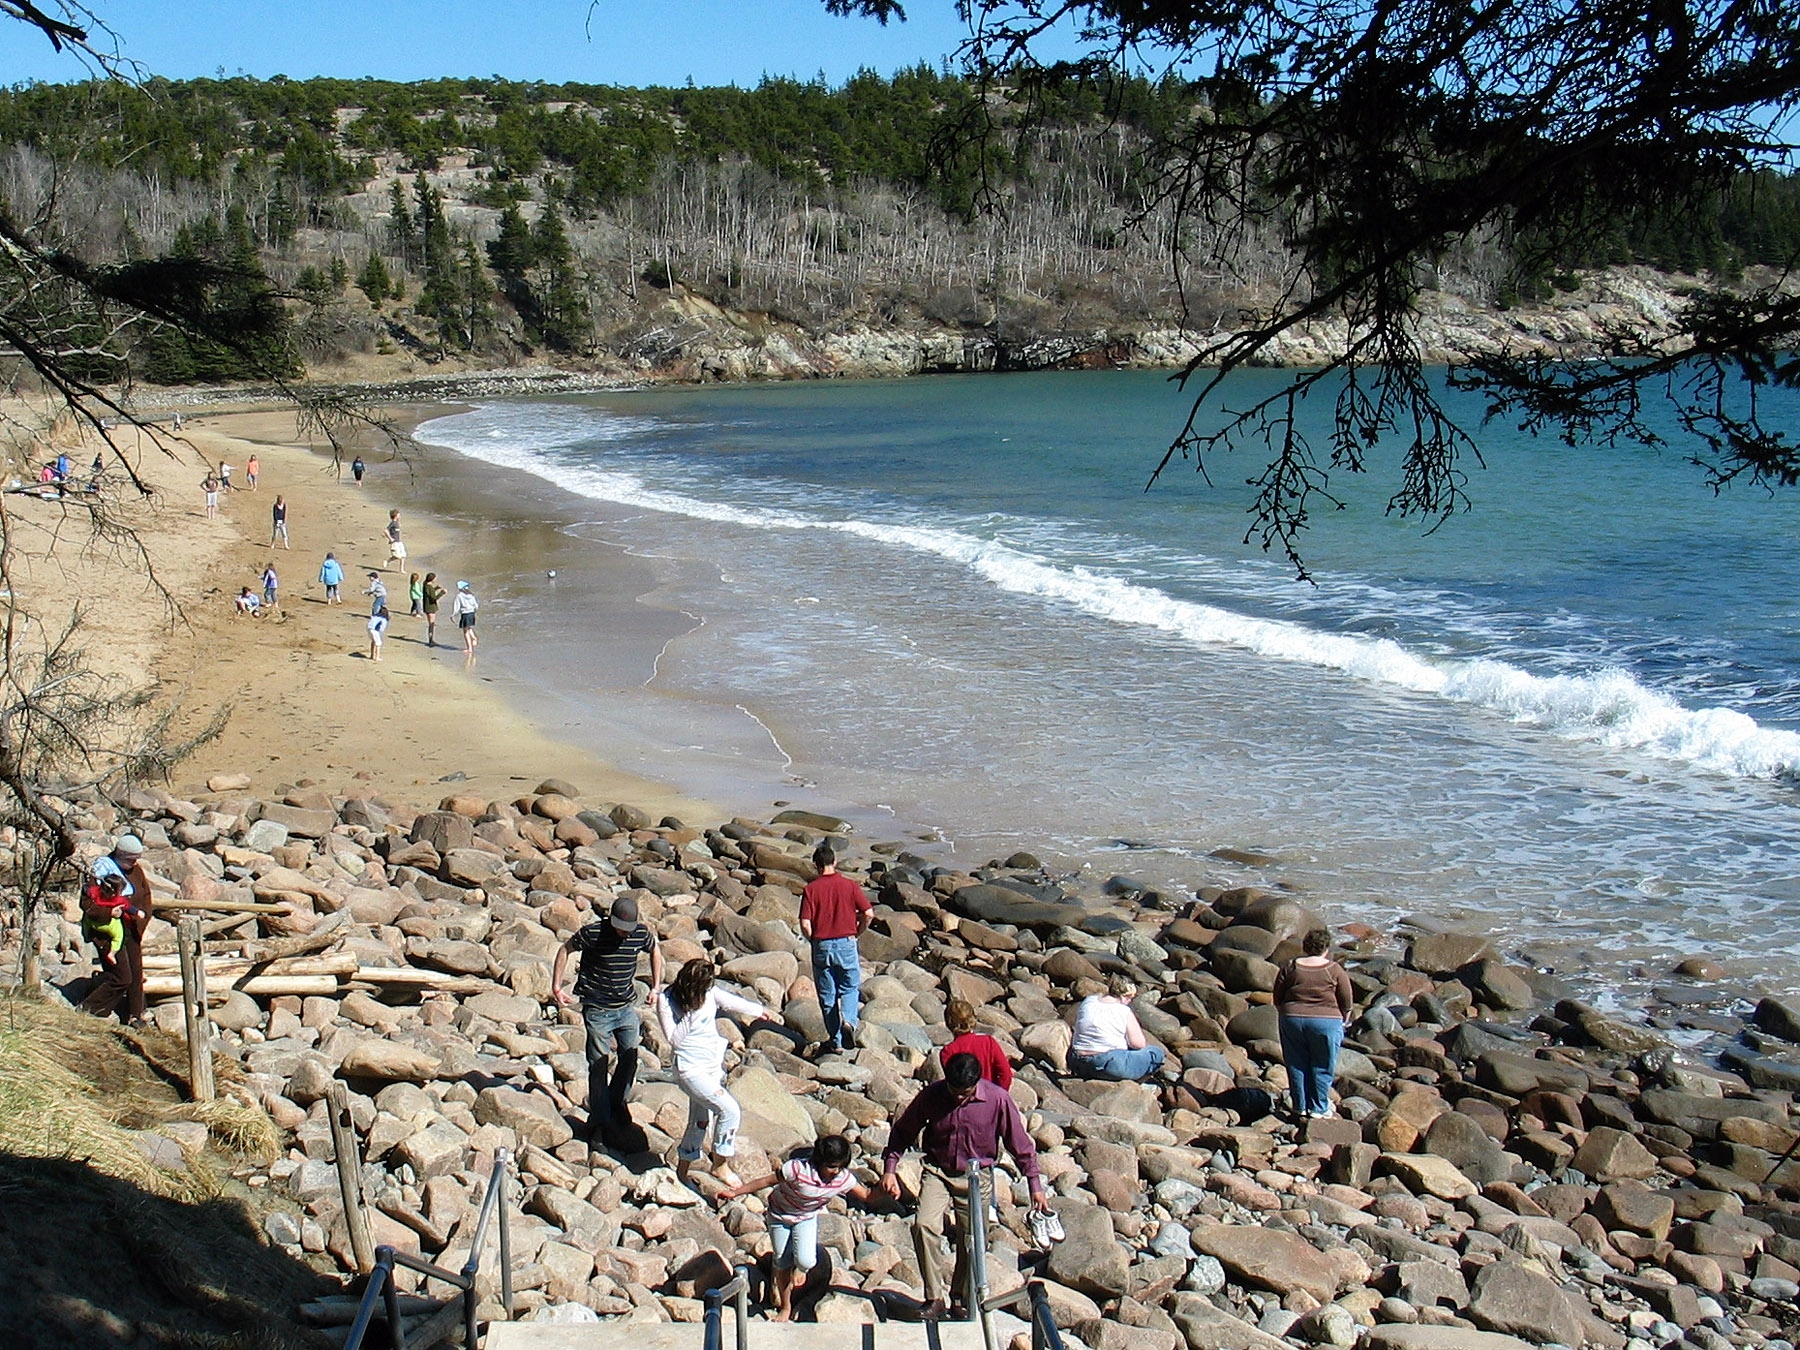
[689, 1011]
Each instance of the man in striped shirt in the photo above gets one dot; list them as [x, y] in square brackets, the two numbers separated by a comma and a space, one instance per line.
[606, 985]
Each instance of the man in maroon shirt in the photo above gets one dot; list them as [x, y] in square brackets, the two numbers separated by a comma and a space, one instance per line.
[834, 912]
[959, 1119]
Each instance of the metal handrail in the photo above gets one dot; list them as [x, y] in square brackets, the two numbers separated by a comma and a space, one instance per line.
[975, 1226]
[381, 1278]
[1045, 1335]
[738, 1290]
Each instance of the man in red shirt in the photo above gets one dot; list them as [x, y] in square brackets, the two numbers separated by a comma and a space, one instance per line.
[834, 912]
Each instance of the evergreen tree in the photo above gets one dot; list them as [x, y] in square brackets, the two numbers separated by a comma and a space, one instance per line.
[560, 294]
[400, 223]
[373, 281]
[338, 276]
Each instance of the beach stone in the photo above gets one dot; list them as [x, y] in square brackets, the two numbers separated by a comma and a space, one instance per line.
[1205, 1326]
[509, 1009]
[1424, 1337]
[1268, 1258]
[238, 1012]
[760, 1092]
[228, 782]
[1426, 1284]
[1633, 1206]
[1510, 1298]
[265, 836]
[1240, 972]
[1441, 954]
[1700, 968]
[1330, 1325]
[472, 867]
[298, 820]
[1519, 1075]
[1283, 916]
[389, 1062]
[1245, 937]
[1779, 1017]
[1003, 905]
[1090, 1258]
[443, 830]
[1422, 1172]
[530, 1115]
[1048, 1042]
[1500, 987]
[435, 1151]
[1461, 1140]
[1608, 1154]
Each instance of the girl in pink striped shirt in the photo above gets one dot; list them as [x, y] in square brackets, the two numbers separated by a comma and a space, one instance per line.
[804, 1186]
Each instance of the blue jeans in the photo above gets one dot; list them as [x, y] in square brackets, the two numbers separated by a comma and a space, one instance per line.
[1122, 1066]
[796, 1244]
[609, 1029]
[837, 971]
[1309, 1047]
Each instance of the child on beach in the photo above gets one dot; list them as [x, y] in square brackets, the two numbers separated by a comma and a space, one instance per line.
[278, 514]
[803, 1187]
[464, 607]
[270, 584]
[415, 592]
[247, 603]
[378, 614]
[689, 1012]
[356, 469]
[251, 470]
[331, 576]
[225, 475]
[396, 549]
[429, 595]
[210, 485]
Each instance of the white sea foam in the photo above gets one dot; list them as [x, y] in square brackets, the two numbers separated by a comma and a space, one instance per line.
[1606, 706]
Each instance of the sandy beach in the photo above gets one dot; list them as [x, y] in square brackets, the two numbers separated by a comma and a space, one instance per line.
[306, 704]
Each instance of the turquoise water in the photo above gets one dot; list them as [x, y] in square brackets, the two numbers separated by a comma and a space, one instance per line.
[1571, 716]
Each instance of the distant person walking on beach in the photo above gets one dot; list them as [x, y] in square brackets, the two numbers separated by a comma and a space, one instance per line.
[225, 475]
[271, 584]
[463, 608]
[689, 1012]
[331, 576]
[251, 469]
[834, 912]
[123, 979]
[356, 469]
[210, 485]
[396, 549]
[1314, 1000]
[606, 985]
[279, 530]
[415, 592]
[429, 595]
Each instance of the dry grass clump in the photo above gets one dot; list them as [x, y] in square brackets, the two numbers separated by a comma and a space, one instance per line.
[76, 1088]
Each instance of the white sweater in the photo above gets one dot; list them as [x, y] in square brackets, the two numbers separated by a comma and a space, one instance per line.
[698, 1046]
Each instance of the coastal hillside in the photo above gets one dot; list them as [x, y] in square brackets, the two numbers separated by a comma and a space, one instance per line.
[885, 226]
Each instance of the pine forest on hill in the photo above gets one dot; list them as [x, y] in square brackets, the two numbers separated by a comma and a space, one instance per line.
[485, 222]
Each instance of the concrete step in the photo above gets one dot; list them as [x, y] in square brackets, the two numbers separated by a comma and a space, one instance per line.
[763, 1335]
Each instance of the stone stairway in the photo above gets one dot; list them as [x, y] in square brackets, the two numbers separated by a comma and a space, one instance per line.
[762, 1335]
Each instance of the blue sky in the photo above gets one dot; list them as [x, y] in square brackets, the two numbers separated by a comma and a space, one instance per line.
[605, 42]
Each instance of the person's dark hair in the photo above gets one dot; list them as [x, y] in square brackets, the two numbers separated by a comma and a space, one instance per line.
[831, 1150]
[1316, 943]
[824, 856]
[959, 1016]
[691, 984]
[962, 1072]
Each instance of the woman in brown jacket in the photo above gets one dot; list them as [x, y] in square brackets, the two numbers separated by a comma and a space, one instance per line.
[1312, 994]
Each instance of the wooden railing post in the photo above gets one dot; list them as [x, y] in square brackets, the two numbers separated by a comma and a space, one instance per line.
[349, 1170]
[197, 1021]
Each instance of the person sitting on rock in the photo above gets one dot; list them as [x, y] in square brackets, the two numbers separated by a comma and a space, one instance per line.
[804, 1185]
[959, 1017]
[1109, 1042]
[606, 985]
[960, 1119]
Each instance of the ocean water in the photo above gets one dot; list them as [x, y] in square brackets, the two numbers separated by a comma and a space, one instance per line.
[950, 607]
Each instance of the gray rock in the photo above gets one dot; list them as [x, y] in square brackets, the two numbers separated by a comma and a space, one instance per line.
[1090, 1258]
[1511, 1298]
[1002, 904]
[1205, 1276]
[1402, 1337]
[265, 836]
[1172, 1240]
[1459, 1139]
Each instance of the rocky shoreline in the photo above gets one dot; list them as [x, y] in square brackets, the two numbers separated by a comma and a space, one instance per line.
[1507, 1165]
